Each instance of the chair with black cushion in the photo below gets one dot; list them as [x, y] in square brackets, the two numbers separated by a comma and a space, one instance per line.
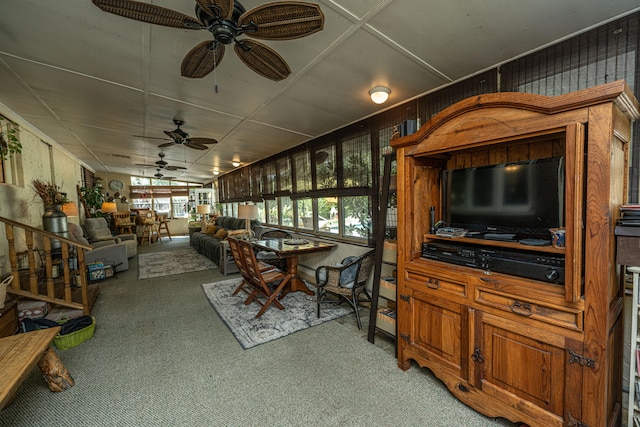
[270, 257]
[347, 281]
[264, 284]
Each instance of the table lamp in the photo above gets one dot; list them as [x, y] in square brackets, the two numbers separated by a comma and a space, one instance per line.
[109, 208]
[248, 212]
[203, 210]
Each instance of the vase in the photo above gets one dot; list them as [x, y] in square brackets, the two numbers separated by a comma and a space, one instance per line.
[55, 221]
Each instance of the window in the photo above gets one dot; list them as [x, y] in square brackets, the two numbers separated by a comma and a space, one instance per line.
[161, 195]
[328, 215]
[304, 208]
[357, 218]
[286, 211]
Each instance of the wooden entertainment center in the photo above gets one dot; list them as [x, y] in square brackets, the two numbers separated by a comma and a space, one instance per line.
[528, 350]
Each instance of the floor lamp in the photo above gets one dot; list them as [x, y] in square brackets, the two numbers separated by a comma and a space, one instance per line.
[248, 212]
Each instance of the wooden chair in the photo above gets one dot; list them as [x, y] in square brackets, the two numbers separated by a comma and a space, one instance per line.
[123, 223]
[347, 281]
[262, 282]
[147, 220]
[163, 224]
[238, 259]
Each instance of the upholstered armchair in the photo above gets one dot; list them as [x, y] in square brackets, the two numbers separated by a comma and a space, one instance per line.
[347, 281]
[98, 232]
[105, 250]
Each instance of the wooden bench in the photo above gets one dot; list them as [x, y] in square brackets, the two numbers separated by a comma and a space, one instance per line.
[18, 356]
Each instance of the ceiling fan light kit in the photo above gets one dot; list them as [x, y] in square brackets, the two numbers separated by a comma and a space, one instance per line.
[227, 20]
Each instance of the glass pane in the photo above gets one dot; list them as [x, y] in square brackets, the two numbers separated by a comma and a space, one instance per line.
[305, 213]
[328, 215]
[302, 166]
[162, 204]
[286, 211]
[356, 162]
[272, 212]
[262, 216]
[284, 174]
[325, 161]
[180, 206]
[138, 180]
[141, 203]
[357, 220]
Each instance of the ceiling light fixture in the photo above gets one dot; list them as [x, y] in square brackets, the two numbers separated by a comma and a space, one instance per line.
[216, 172]
[235, 164]
[379, 94]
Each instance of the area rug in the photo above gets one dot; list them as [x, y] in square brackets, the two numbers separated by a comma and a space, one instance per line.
[299, 313]
[167, 263]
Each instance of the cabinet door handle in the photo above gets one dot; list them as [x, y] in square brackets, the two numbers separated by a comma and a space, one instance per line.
[522, 308]
[433, 284]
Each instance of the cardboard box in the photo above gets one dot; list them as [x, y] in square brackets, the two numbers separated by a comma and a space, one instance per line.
[386, 320]
[388, 288]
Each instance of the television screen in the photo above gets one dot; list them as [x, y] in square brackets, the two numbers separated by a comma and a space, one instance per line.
[526, 198]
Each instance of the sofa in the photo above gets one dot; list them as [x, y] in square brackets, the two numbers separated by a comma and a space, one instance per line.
[208, 241]
[97, 231]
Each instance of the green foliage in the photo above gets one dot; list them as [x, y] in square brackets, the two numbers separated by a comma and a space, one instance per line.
[93, 199]
[9, 142]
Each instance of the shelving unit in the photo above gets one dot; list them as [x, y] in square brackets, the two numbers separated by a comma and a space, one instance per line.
[383, 319]
[530, 350]
[633, 415]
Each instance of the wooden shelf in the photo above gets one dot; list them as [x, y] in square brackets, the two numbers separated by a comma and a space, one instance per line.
[497, 244]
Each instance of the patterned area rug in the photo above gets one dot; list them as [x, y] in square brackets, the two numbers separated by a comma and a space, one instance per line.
[167, 263]
[299, 313]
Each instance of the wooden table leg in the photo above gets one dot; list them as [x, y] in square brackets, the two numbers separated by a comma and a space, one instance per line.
[296, 285]
[54, 372]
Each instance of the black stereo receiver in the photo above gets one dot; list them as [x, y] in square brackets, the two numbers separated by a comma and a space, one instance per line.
[532, 265]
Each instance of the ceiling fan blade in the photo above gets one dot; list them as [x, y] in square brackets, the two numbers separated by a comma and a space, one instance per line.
[166, 144]
[146, 12]
[202, 141]
[175, 168]
[195, 146]
[283, 20]
[176, 137]
[262, 59]
[217, 8]
[144, 166]
[148, 137]
[202, 59]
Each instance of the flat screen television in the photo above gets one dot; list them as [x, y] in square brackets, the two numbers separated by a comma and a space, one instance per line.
[524, 198]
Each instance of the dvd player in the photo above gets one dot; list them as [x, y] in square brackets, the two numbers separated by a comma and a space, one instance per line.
[532, 265]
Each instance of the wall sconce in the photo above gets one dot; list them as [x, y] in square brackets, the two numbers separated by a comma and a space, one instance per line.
[379, 94]
[235, 164]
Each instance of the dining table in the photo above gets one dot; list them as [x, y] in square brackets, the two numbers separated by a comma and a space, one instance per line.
[291, 249]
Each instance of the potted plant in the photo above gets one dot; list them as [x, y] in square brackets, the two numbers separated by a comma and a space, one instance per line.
[92, 198]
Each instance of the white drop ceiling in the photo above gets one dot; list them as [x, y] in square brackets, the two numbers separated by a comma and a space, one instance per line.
[104, 87]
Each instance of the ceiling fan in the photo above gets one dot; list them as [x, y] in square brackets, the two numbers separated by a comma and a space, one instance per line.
[226, 20]
[180, 137]
[158, 175]
[161, 164]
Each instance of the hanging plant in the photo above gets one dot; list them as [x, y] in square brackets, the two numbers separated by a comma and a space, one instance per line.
[9, 142]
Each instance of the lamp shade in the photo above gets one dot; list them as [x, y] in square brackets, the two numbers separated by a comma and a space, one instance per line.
[203, 209]
[247, 211]
[109, 207]
[70, 209]
[379, 94]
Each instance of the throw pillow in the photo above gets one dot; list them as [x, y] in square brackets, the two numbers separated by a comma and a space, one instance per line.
[236, 232]
[211, 230]
[221, 234]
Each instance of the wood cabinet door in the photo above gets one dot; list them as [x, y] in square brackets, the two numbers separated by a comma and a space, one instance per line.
[436, 333]
[522, 366]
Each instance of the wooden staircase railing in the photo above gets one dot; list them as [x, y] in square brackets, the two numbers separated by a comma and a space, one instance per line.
[39, 282]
